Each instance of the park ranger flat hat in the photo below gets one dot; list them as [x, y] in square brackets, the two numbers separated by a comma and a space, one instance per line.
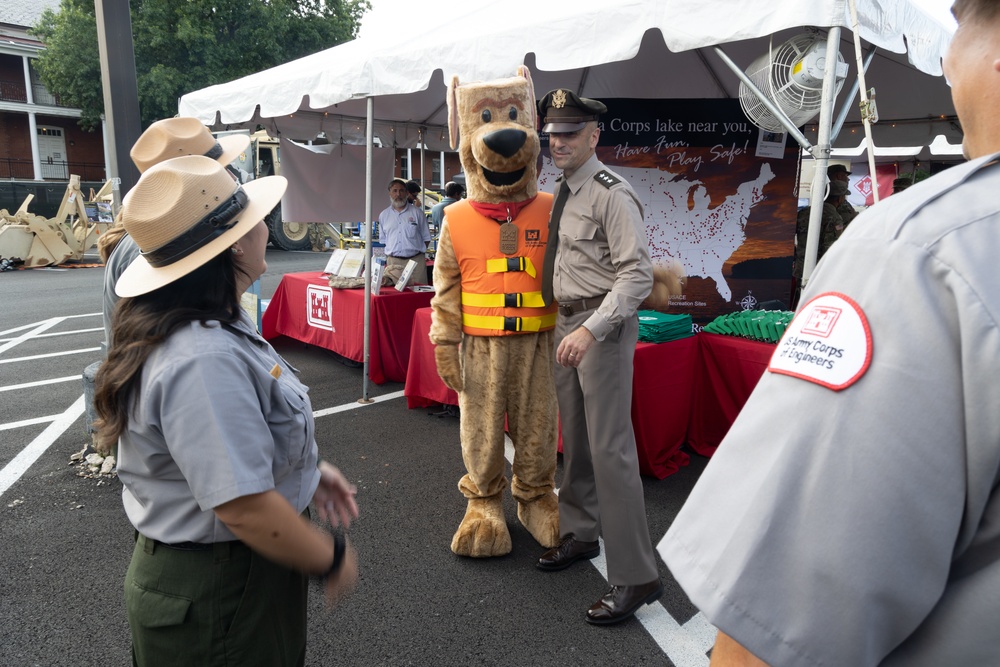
[177, 137]
[561, 110]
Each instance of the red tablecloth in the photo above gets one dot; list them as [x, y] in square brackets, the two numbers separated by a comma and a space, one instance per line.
[730, 369]
[661, 403]
[661, 394]
[306, 308]
[423, 385]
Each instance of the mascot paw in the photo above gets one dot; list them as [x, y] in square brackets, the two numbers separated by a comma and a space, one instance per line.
[541, 517]
[483, 532]
[448, 366]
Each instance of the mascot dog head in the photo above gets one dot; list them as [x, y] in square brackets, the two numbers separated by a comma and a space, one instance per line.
[499, 144]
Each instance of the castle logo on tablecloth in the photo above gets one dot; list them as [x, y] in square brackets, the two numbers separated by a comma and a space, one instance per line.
[318, 312]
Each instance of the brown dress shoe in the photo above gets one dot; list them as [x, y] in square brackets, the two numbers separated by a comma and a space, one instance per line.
[621, 602]
[568, 552]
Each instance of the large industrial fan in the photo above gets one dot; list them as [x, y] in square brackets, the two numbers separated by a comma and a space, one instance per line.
[791, 76]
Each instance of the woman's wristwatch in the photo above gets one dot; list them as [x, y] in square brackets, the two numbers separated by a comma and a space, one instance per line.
[339, 549]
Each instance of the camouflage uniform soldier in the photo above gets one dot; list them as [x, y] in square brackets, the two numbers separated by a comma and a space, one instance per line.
[838, 172]
[830, 229]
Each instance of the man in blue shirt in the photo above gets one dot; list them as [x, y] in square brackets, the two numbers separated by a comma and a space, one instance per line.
[402, 228]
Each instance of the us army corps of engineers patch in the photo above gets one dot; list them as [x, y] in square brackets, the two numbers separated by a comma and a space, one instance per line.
[828, 343]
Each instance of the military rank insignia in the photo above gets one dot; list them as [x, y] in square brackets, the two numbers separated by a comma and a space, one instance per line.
[606, 178]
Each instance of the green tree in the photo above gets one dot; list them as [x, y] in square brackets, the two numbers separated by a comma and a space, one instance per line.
[184, 45]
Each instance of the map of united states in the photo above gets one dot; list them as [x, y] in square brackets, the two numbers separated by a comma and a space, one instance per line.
[679, 223]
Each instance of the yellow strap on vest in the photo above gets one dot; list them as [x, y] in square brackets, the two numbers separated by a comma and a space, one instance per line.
[509, 323]
[504, 264]
[514, 300]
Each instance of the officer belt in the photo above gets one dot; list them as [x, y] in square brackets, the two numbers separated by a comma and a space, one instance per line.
[407, 257]
[568, 308]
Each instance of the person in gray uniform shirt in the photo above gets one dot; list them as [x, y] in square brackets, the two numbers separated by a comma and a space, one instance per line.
[597, 267]
[216, 447]
[852, 514]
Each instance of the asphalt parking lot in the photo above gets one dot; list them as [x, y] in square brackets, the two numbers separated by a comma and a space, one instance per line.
[67, 541]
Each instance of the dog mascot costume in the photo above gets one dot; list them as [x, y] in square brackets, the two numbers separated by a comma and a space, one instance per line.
[488, 299]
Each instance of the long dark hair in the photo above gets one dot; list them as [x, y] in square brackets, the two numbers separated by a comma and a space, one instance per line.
[141, 323]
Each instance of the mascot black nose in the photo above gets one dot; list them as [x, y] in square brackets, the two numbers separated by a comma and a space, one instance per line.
[505, 142]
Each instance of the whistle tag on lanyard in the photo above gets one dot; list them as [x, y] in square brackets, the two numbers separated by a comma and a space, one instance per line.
[508, 238]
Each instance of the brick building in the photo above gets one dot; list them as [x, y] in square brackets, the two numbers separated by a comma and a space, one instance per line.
[39, 137]
[434, 176]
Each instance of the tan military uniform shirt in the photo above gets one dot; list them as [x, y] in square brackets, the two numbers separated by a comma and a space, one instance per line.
[602, 248]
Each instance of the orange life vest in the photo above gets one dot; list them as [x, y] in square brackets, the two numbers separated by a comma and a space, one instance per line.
[501, 294]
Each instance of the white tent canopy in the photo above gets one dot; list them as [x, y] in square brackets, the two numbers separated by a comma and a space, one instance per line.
[394, 89]
[634, 48]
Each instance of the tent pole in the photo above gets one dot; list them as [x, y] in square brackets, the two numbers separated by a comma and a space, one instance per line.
[821, 153]
[848, 101]
[369, 154]
[420, 136]
[868, 114]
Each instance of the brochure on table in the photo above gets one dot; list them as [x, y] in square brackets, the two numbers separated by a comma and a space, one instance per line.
[405, 277]
[354, 264]
[378, 270]
[336, 261]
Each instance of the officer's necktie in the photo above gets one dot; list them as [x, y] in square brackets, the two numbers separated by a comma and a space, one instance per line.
[550, 247]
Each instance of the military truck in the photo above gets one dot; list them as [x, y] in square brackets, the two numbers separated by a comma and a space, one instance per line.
[263, 158]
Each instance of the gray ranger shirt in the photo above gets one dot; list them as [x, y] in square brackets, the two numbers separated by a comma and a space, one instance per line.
[214, 423]
[861, 526]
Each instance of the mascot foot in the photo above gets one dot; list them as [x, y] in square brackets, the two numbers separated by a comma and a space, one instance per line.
[541, 517]
[483, 532]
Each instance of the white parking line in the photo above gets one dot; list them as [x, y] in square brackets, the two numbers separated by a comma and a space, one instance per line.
[27, 456]
[28, 422]
[42, 327]
[51, 354]
[60, 333]
[64, 317]
[355, 406]
[42, 383]
[686, 645]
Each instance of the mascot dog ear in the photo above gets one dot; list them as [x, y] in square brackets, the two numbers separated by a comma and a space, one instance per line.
[523, 71]
[453, 131]
[453, 112]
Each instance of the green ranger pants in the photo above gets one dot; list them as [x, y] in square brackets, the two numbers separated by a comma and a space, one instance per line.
[219, 605]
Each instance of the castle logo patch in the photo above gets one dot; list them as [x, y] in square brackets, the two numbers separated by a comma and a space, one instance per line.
[828, 343]
[318, 312]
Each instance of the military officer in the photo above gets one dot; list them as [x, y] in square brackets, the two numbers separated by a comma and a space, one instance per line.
[597, 268]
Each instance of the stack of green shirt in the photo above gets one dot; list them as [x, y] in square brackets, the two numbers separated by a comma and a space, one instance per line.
[657, 327]
[762, 325]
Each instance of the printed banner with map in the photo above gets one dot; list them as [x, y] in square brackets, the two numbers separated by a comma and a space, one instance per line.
[718, 193]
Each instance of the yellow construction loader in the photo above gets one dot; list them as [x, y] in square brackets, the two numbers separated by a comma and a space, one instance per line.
[37, 241]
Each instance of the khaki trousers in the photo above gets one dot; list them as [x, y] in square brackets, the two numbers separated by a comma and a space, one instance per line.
[601, 492]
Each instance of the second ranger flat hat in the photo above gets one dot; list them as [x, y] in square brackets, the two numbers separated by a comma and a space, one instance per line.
[177, 137]
[562, 110]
